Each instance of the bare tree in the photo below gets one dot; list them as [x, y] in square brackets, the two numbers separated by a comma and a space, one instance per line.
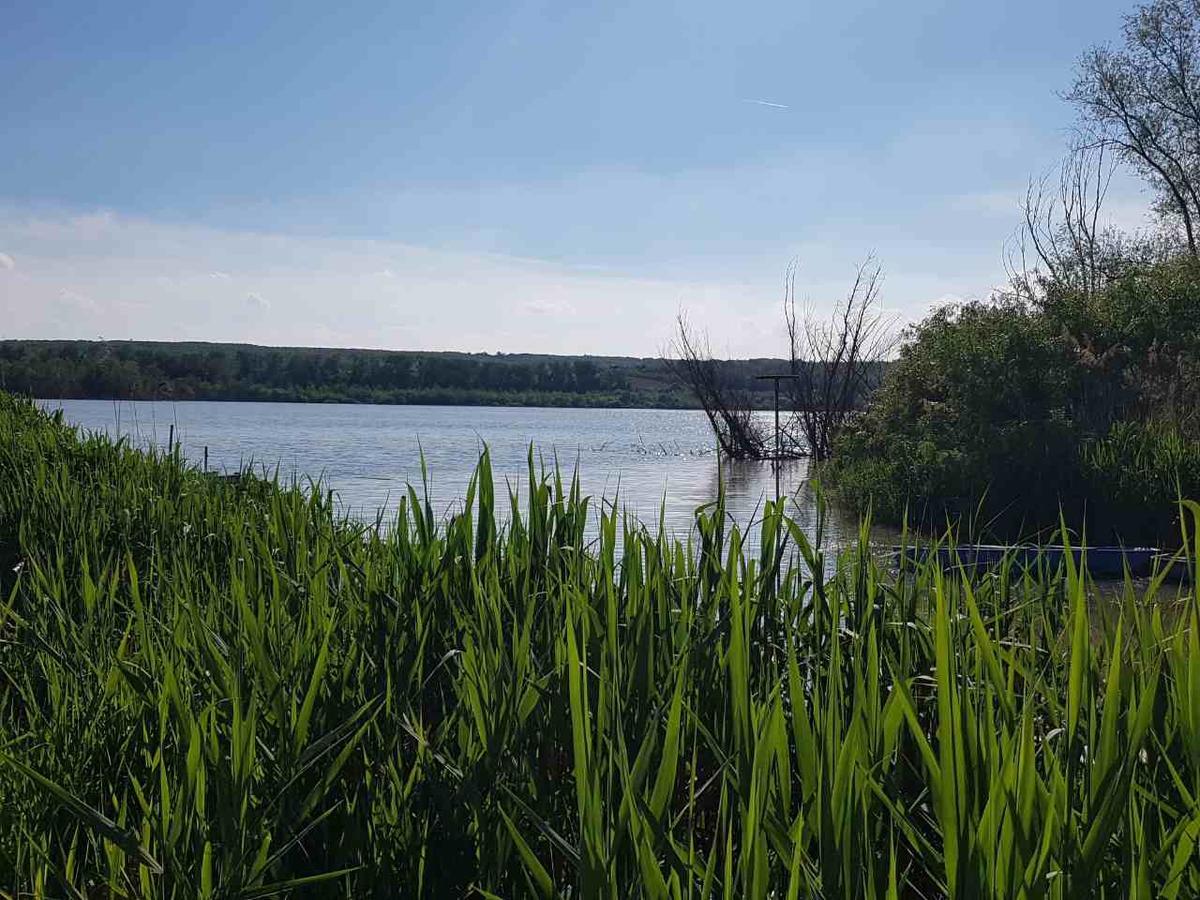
[1143, 100]
[1062, 225]
[1063, 244]
[836, 362]
[730, 410]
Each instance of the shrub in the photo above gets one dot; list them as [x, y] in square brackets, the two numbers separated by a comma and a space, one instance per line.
[1004, 416]
[1137, 469]
[973, 412]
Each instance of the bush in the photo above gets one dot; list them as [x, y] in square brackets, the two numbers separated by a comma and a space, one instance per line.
[1135, 346]
[972, 416]
[1136, 468]
[1003, 415]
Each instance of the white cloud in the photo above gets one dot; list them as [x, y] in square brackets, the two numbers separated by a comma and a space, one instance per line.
[75, 301]
[365, 293]
[335, 291]
[7, 263]
[548, 306]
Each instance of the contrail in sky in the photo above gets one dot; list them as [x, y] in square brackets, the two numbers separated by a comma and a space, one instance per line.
[768, 103]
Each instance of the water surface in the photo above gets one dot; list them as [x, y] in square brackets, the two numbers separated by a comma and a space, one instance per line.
[646, 461]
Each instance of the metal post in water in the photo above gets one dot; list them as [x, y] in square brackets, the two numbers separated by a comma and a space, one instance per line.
[206, 457]
[171, 439]
[778, 445]
[777, 460]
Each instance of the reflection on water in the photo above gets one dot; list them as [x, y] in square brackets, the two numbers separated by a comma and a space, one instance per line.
[644, 460]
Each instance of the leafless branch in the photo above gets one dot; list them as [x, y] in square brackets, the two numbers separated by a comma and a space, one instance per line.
[837, 361]
[730, 411]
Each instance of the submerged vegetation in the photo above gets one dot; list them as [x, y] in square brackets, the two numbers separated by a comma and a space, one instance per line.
[212, 688]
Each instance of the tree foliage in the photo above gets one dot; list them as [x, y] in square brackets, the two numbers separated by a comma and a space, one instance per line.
[1143, 100]
[1003, 413]
[202, 371]
[1078, 389]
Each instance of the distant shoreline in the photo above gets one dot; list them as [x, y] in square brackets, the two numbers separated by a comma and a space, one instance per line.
[504, 404]
[157, 370]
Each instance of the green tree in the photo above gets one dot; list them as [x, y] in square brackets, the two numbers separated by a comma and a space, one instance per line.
[1143, 100]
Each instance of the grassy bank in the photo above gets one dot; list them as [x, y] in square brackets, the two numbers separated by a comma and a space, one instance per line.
[219, 689]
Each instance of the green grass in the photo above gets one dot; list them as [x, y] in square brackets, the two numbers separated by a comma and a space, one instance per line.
[222, 690]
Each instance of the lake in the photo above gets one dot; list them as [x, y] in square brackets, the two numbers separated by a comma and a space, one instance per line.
[645, 460]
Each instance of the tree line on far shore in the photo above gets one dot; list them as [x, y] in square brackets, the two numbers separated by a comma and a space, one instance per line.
[144, 370]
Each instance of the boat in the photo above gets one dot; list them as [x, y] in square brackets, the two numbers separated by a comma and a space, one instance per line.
[1103, 562]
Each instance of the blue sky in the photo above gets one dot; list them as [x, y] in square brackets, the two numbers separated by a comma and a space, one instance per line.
[558, 177]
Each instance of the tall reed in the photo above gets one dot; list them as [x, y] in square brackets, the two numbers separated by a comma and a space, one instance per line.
[222, 689]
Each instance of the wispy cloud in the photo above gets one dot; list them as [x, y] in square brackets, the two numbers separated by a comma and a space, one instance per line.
[155, 280]
[548, 306]
[6, 262]
[152, 280]
[767, 103]
[73, 300]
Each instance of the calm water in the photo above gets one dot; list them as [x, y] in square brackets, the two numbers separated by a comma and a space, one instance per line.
[367, 454]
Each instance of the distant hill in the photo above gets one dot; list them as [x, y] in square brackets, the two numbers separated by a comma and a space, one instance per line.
[149, 370]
